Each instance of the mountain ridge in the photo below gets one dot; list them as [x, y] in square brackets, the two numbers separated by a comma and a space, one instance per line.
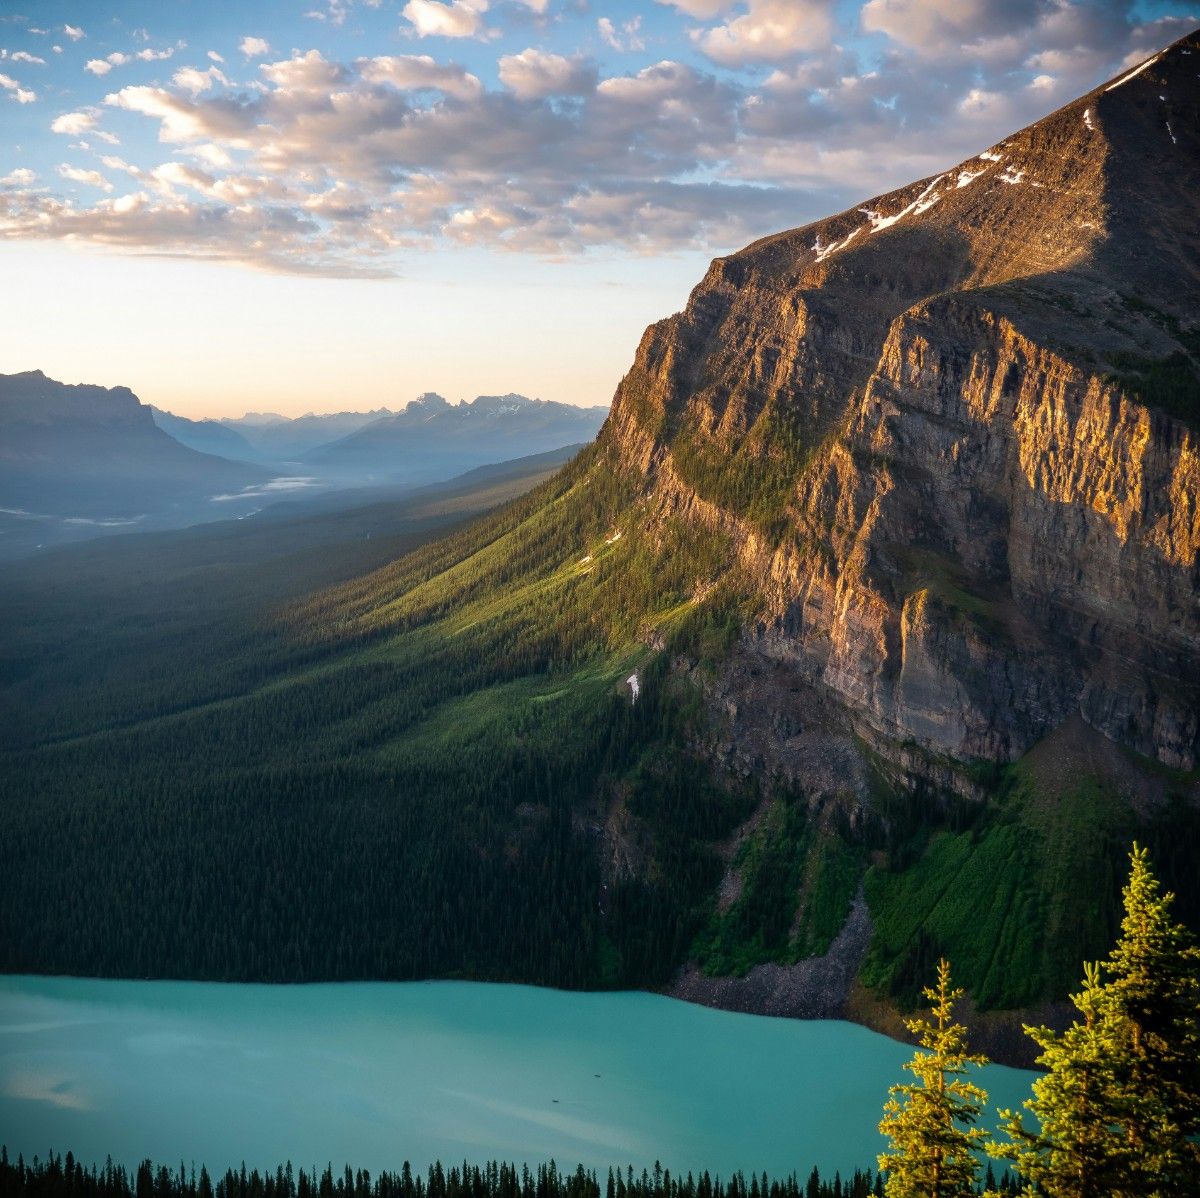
[457, 436]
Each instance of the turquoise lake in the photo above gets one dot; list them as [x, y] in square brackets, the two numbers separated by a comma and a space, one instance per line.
[378, 1073]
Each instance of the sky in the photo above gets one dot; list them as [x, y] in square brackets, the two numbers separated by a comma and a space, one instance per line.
[318, 205]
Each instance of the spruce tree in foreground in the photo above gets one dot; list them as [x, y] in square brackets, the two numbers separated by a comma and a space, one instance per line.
[1119, 1108]
[1154, 977]
[931, 1122]
[1079, 1149]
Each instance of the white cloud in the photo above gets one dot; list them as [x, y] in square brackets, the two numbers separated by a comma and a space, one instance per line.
[768, 31]
[420, 72]
[119, 164]
[22, 95]
[169, 175]
[102, 66]
[254, 47]
[335, 167]
[25, 56]
[73, 32]
[74, 123]
[458, 18]
[931, 26]
[21, 177]
[626, 38]
[311, 72]
[183, 120]
[91, 178]
[193, 80]
[215, 57]
[211, 155]
[700, 10]
[533, 74]
[537, 6]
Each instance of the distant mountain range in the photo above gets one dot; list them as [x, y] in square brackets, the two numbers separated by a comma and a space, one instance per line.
[286, 438]
[82, 460]
[207, 436]
[433, 438]
[429, 439]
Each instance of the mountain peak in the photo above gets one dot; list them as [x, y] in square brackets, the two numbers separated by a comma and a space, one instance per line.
[427, 403]
[32, 397]
[991, 375]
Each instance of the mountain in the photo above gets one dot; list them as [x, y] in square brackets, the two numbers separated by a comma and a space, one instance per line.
[285, 438]
[433, 438]
[206, 436]
[866, 631]
[80, 459]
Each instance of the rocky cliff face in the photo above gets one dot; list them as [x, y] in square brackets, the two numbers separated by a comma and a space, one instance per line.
[955, 433]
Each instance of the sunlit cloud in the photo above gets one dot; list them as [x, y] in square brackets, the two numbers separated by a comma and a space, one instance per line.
[254, 47]
[454, 18]
[22, 95]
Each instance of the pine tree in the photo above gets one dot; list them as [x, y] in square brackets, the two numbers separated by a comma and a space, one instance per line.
[1154, 978]
[931, 1122]
[1119, 1108]
[1081, 1149]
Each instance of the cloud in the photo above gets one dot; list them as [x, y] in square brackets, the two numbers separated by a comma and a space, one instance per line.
[184, 120]
[102, 66]
[268, 239]
[768, 31]
[932, 26]
[626, 38]
[22, 95]
[74, 123]
[25, 56]
[328, 166]
[701, 10]
[74, 32]
[254, 47]
[195, 81]
[91, 178]
[533, 74]
[457, 18]
[21, 177]
[214, 56]
[419, 72]
[311, 72]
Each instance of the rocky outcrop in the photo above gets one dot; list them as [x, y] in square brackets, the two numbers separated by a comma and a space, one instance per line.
[815, 988]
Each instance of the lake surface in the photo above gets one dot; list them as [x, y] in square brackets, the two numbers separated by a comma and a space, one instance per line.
[377, 1073]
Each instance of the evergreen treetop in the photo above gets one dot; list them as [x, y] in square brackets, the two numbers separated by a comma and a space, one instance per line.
[930, 1122]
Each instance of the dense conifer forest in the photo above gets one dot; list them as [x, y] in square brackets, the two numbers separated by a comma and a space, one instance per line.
[64, 1177]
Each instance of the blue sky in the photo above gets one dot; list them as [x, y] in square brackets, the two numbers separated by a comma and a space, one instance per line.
[314, 204]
